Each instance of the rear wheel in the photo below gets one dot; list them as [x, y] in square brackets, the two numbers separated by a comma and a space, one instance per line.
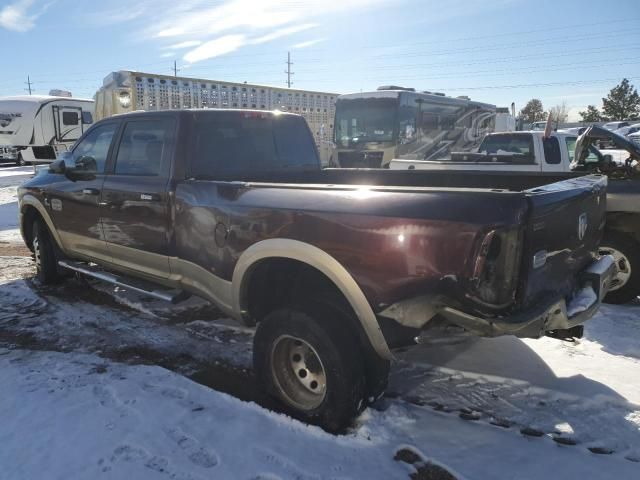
[44, 253]
[310, 361]
[626, 254]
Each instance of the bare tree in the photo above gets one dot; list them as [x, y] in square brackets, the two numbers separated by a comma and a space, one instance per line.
[559, 114]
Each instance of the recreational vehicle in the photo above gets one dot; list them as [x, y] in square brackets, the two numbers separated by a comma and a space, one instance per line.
[36, 128]
[371, 128]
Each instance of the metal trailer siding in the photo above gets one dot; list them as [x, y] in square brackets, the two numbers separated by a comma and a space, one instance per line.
[163, 92]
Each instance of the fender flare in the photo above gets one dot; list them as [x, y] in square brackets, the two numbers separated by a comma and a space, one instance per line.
[30, 200]
[321, 261]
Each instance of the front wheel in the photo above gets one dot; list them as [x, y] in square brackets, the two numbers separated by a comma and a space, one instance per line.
[309, 360]
[44, 253]
[625, 251]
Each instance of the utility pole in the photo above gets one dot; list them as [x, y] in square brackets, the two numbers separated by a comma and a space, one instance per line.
[288, 70]
[28, 83]
[175, 68]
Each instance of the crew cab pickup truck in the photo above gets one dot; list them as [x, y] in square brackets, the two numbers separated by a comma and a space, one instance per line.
[532, 152]
[334, 267]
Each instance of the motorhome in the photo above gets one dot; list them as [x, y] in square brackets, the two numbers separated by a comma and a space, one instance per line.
[371, 128]
[36, 128]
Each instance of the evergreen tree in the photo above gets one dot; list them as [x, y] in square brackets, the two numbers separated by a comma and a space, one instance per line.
[591, 114]
[622, 103]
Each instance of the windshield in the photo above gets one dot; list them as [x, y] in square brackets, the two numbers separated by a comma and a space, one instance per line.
[365, 120]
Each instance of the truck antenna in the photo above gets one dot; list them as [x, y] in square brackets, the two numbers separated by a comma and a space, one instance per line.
[288, 70]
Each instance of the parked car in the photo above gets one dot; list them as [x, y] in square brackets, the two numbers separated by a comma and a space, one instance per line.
[615, 125]
[573, 130]
[336, 267]
[532, 152]
[628, 130]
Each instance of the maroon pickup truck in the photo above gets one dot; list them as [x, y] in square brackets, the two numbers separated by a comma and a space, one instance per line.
[335, 267]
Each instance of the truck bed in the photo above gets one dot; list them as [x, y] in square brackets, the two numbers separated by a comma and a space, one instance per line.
[494, 181]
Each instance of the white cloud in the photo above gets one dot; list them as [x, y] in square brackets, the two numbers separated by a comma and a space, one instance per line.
[283, 32]
[168, 54]
[224, 26]
[18, 16]
[215, 48]
[181, 45]
[308, 43]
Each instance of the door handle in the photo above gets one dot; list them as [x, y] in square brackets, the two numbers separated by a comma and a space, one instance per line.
[150, 197]
[91, 191]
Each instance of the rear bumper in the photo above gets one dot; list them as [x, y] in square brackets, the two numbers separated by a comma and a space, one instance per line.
[553, 314]
[402, 322]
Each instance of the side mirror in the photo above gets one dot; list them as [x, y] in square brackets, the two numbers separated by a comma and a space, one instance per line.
[59, 165]
[607, 158]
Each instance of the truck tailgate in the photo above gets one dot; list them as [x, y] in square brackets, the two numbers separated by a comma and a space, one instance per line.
[564, 228]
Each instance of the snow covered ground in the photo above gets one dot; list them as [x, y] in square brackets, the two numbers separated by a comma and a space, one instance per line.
[10, 178]
[99, 382]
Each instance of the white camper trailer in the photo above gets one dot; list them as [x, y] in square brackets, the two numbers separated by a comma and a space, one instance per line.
[36, 128]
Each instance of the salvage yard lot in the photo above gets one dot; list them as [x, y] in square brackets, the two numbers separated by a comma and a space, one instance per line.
[104, 383]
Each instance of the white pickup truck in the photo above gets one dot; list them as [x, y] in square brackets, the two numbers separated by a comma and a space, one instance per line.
[555, 156]
[513, 151]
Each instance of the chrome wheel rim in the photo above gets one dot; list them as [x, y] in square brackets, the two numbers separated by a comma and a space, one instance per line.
[36, 252]
[298, 373]
[623, 267]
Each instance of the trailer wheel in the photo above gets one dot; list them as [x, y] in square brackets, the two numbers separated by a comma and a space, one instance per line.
[307, 359]
[44, 253]
[626, 252]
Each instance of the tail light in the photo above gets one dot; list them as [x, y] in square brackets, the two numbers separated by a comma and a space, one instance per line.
[496, 268]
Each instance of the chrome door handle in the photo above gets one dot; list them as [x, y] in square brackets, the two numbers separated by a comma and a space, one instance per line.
[150, 197]
[91, 191]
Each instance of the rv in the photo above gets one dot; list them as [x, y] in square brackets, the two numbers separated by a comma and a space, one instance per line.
[371, 128]
[125, 91]
[36, 128]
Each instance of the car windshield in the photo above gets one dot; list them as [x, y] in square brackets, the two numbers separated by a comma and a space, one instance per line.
[365, 120]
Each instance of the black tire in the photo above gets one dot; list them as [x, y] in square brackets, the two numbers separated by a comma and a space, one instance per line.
[339, 355]
[20, 161]
[44, 253]
[624, 244]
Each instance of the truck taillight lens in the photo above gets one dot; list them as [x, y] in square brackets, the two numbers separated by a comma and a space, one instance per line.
[496, 268]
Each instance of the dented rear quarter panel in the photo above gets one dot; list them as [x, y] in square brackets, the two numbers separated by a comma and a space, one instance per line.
[394, 244]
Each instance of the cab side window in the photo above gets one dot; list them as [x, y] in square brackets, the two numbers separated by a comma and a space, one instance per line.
[143, 147]
[90, 155]
[552, 150]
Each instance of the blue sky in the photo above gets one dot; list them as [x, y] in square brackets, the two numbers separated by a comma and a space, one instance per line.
[500, 51]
